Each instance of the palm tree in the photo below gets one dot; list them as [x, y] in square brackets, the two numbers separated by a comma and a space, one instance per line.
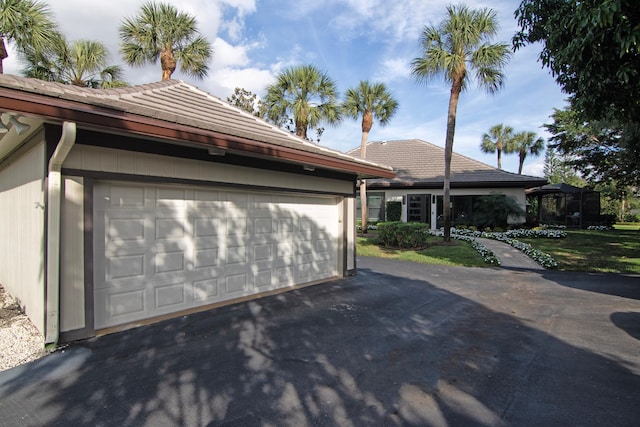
[81, 63]
[526, 143]
[306, 93]
[462, 40]
[161, 32]
[372, 101]
[26, 23]
[498, 139]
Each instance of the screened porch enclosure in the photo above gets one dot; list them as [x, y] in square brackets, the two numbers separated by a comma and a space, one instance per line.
[563, 204]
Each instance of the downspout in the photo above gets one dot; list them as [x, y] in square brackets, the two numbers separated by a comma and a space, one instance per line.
[54, 201]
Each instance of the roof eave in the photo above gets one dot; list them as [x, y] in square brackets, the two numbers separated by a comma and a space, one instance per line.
[111, 120]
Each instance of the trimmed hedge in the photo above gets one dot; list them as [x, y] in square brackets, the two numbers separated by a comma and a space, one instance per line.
[394, 211]
[403, 234]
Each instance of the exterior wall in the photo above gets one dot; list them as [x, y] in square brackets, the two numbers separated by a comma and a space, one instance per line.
[72, 295]
[396, 195]
[22, 225]
[120, 161]
[99, 159]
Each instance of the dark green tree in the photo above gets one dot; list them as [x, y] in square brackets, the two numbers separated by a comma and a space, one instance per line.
[307, 94]
[499, 139]
[161, 32]
[28, 24]
[525, 143]
[247, 101]
[369, 101]
[80, 63]
[591, 47]
[600, 150]
[494, 210]
[558, 169]
[459, 45]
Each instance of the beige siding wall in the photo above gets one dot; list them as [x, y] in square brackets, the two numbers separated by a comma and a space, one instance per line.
[22, 219]
[72, 314]
[120, 161]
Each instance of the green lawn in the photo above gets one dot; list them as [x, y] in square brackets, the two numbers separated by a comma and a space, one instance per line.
[456, 253]
[616, 251]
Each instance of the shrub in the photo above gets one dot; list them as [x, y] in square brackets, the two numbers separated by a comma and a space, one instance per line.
[493, 211]
[403, 234]
[608, 219]
[394, 211]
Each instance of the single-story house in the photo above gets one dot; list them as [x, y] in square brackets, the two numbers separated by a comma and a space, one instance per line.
[125, 206]
[419, 181]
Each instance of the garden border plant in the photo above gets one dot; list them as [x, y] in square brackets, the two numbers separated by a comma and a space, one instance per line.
[509, 237]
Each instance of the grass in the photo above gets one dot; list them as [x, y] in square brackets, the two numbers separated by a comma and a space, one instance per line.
[627, 226]
[616, 251]
[456, 253]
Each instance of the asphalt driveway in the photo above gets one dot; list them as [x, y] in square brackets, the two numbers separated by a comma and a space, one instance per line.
[399, 344]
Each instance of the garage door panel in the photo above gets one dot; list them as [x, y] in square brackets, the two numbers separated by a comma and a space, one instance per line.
[169, 262]
[166, 228]
[236, 284]
[166, 249]
[171, 295]
[205, 290]
[126, 267]
[237, 226]
[206, 258]
[206, 227]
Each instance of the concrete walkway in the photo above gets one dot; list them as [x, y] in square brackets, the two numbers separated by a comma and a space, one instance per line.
[509, 256]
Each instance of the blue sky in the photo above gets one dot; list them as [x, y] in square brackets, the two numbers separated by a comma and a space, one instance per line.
[351, 40]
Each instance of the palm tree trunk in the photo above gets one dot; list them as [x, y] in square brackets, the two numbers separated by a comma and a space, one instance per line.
[456, 88]
[3, 54]
[499, 150]
[363, 183]
[522, 156]
[168, 64]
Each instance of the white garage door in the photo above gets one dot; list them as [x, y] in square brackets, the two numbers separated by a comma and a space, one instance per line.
[162, 249]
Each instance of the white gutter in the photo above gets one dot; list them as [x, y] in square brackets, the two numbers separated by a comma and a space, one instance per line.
[54, 201]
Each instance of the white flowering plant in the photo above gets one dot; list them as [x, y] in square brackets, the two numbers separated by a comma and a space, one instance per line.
[509, 237]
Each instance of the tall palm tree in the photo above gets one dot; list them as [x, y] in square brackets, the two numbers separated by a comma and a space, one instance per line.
[26, 23]
[498, 139]
[525, 143]
[81, 63]
[461, 41]
[372, 101]
[160, 31]
[306, 93]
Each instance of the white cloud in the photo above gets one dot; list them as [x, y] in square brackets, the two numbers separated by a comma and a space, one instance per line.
[392, 69]
[222, 82]
[226, 55]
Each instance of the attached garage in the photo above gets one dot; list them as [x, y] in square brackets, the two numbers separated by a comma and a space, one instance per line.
[160, 249]
[152, 201]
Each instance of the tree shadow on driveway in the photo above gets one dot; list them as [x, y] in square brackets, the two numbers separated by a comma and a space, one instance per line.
[428, 346]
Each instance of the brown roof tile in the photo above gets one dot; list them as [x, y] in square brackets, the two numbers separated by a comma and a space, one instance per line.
[420, 163]
[174, 101]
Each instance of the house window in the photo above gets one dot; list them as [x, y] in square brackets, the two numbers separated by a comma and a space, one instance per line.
[375, 207]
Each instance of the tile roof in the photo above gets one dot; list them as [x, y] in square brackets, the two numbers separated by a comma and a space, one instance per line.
[420, 163]
[176, 102]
